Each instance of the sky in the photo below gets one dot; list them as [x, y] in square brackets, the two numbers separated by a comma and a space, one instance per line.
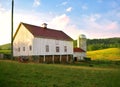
[94, 18]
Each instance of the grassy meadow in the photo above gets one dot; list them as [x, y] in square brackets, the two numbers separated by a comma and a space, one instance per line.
[102, 74]
[105, 54]
[15, 74]
[5, 51]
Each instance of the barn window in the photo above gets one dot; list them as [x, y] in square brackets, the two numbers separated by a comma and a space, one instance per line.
[65, 48]
[19, 49]
[47, 48]
[23, 48]
[30, 47]
[57, 49]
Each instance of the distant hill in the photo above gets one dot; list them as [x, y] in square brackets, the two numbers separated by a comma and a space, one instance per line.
[105, 54]
[97, 44]
[5, 47]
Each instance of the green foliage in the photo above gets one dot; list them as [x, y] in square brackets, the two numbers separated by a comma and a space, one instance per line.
[5, 51]
[5, 47]
[13, 74]
[97, 44]
[105, 54]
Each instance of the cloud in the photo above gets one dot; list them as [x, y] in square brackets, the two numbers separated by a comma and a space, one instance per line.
[60, 22]
[84, 7]
[69, 9]
[5, 22]
[96, 26]
[64, 23]
[5, 25]
[111, 25]
[1, 8]
[73, 31]
[36, 3]
[94, 21]
[64, 3]
[91, 25]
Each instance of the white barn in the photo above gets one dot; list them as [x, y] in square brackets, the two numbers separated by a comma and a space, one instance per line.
[42, 44]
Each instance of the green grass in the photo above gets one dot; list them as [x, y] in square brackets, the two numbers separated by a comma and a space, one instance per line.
[105, 54]
[15, 74]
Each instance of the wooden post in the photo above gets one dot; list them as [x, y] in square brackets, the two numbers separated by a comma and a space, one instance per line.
[53, 58]
[44, 59]
[60, 58]
[12, 29]
[67, 58]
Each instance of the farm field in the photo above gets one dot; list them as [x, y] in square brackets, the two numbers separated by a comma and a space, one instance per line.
[15, 74]
[105, 54]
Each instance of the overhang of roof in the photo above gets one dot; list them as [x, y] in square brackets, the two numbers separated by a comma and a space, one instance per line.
[78, 50]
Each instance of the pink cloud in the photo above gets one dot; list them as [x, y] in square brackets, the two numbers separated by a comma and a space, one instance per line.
[60, 22]
[96, 26]
[112, 26]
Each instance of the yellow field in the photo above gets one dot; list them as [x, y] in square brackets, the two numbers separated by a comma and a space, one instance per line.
[105, 54]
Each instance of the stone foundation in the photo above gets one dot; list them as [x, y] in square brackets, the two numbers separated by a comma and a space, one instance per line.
[47, 58]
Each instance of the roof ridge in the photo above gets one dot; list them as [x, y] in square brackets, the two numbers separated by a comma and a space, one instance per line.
[28, 24]
[39, 26]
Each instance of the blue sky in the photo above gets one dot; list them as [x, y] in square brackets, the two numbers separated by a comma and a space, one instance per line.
[94, 18]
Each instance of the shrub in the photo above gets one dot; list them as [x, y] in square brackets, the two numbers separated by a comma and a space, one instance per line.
[87, 59]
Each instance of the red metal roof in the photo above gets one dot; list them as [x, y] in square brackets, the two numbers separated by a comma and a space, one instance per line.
[78, 50]
[38, 31]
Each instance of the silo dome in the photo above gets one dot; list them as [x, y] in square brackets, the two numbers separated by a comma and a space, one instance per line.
[82, 36]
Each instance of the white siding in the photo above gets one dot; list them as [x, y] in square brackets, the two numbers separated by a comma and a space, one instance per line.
[79, 55]
[23, 39]
[39, 47]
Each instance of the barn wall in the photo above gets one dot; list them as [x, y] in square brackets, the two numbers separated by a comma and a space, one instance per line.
[39, 46]
[23, 39]
[79, 55]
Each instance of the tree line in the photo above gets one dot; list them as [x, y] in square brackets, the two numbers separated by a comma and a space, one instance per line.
[97, 44]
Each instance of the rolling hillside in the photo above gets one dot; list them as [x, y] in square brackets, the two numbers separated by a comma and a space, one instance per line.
[5, 47]
[105, 54]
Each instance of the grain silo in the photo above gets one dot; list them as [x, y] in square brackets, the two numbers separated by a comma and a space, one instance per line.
[81, 42]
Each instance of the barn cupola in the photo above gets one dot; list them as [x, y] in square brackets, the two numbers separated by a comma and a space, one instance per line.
[44, 25]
